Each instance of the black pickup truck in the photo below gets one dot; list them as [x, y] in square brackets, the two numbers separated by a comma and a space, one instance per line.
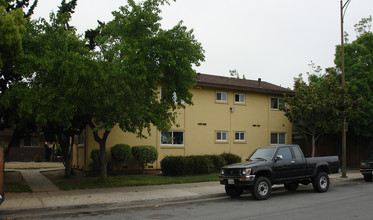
[284, 164]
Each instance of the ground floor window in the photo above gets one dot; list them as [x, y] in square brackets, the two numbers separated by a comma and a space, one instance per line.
[278, 138]
[172, 138]
[31, 142]
[221, 136]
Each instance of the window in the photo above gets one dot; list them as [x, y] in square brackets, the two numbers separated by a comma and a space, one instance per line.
[221, 96]
[239, 136]
[276, 102]
[285, 153]
[31, 142]
[239, 98]
[172, 138]
[81, 138]
[221, 136]
[278, 138]
[297, 153]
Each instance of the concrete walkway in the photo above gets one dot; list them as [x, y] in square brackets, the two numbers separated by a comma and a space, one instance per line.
[49, 198]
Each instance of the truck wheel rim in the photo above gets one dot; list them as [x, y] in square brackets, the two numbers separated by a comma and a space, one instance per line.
[323, 182]
[263, 188]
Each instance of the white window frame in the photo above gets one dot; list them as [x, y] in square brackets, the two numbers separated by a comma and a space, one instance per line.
[241, 98]
[279, 101]
[240, 133]
[171, 142]
[222, 96]
[222, 134]
[278, 137]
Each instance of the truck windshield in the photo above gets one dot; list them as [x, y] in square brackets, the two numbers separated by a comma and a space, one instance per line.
[263, 154]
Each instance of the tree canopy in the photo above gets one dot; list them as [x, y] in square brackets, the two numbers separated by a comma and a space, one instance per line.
[318, 107]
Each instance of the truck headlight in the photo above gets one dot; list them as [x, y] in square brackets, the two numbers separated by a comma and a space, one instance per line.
[363, 164]
[246, 172]
[222, 172]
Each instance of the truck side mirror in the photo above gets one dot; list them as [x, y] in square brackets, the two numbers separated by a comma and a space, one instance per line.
[278, 157]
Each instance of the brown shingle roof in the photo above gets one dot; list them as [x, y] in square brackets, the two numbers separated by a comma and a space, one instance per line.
[259, 86]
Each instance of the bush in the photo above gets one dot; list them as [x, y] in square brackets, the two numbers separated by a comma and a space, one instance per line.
[218, 162]
[120, 153]
[191, 165]
[95, 156]
[231, 158]
[144, 155]
[174, 166]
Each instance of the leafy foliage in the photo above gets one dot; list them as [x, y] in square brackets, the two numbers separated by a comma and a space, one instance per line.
[318, 107]
[231, 158]
[120, 153]
[359, 75]
[144, 155]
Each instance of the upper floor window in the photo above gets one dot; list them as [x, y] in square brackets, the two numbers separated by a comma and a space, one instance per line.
[221, 136]
[276, 102]
[239, 98]
[278, 138]
[239, 136]
[172, 138]
[221, 96]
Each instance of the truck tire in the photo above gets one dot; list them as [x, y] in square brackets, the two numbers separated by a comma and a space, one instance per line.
[233, 191]
[368, 178]
[292, 186]
[321, 182]
[261, 190]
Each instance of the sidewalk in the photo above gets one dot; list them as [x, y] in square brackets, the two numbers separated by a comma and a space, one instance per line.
[50, 198]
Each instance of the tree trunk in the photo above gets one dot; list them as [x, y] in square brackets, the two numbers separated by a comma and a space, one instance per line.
[64, 141]
[102, 143]
[313, 145]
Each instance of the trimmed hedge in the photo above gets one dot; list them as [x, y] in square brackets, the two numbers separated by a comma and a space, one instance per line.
[120, 153]
[195, 165]
[231, 158]
[144, 155]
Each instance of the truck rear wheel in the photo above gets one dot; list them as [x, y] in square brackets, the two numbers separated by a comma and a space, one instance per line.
[262, 188]
[233, 191]
[321, 182]
[368, 178]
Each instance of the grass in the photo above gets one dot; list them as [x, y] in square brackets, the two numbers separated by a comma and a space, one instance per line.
[14, 182]
[129, 180]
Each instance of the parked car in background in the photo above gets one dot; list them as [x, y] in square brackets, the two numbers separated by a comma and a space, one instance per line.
[366, 168]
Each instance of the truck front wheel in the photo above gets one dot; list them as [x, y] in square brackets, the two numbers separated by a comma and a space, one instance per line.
[233, 191]
[262, 188]
[321, 182]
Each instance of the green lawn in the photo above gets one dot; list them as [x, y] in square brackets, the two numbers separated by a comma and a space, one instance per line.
[14, 182]
[129, 180]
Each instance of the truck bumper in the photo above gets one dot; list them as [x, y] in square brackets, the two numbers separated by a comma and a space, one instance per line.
[368, 171]
[247, 180]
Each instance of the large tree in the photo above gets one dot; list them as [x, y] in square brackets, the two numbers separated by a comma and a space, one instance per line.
[56, 83]
[135, 56]
[318, 107]
[12, 30]
[359, 75]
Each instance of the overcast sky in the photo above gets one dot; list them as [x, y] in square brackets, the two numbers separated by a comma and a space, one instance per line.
[274, 40]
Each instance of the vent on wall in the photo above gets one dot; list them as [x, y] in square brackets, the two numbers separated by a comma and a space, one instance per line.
[202, 124]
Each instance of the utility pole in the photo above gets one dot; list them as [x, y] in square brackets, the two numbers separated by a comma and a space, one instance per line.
[344, 129]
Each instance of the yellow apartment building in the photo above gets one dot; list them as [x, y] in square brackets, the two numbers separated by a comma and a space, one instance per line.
[229, 115]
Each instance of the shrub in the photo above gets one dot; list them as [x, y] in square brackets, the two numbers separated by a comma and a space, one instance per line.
[191, 165]
[174, 166]
[95, 156]
[200, 165]
[144, 155]
[120, 153]
[218, 162]
[231, 158]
